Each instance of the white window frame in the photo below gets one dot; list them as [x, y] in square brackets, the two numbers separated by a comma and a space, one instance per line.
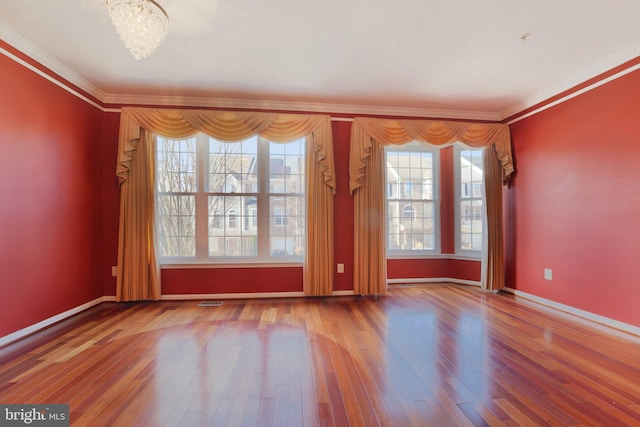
[262, 221]
[457, 184]
[414, 146]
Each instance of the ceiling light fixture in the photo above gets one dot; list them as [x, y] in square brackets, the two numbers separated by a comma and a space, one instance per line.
[142, 24]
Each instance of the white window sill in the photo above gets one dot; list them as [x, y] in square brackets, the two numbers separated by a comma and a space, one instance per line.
[244, 264]
[437, 256]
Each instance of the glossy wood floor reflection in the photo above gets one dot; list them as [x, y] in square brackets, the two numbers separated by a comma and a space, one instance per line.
[438, 355]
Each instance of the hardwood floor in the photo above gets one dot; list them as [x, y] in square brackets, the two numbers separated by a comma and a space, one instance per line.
[439, 355]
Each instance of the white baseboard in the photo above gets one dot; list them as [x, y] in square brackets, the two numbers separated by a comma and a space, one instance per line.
[615, 324]
[50, 321]
[433, 280]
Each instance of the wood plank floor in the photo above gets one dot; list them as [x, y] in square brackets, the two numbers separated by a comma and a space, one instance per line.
[439, 355]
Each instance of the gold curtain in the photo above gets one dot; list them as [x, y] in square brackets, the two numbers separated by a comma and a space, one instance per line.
[136, 123]
[366, 181]
[493, 254]
[138, 269]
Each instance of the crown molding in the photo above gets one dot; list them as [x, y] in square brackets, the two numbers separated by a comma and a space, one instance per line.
[18, 42]
[574, 94]
[314, 107]
[593, 77]
[50, 78]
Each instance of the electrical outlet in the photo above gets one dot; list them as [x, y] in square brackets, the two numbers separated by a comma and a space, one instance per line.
[548, 274]
[114, 271]
[340, 268]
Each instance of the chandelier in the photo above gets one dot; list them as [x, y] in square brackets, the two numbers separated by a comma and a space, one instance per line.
[142, 24]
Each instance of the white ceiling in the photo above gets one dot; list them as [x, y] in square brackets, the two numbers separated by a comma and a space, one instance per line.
[455, 58]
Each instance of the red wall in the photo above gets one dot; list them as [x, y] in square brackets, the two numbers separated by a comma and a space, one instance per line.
[447, 202]
[575, 202]
[343, 207]
[110, 201]
[231, 280]
[49, 213]
[417, 268]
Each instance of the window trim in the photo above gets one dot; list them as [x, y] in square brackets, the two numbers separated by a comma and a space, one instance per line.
[467, 253]
[435, 155]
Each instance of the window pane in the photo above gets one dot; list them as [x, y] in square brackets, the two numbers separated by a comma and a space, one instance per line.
[414, 228]
[287, 229]
[286, 167]
[176, 226]
[176, 164]
[233, 166]
[233, 226]
[471, 200]
[410, 200]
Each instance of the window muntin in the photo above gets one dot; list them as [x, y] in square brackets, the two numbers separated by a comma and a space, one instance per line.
[469, 200]
[212, 195]
[411, 203]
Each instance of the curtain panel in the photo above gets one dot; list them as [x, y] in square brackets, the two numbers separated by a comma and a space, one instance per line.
[493, 274]
[138, 267]
[366, 181]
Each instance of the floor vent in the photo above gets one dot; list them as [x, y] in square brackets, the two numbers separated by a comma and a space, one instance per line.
[210, 304]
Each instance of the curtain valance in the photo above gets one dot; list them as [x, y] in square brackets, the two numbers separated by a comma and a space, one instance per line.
[437, 132]
[225, 125]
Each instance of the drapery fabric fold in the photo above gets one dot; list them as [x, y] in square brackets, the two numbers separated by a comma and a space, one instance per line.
[138, 124]
[366, 182]
[493, 254]
[318, 263]
[369, 250]
[138, 270]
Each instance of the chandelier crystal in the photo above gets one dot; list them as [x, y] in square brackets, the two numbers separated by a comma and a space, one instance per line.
[142, 24]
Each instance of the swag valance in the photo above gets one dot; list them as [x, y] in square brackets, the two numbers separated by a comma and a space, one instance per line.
[366, 131]
[139, 272]
[227, 126]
